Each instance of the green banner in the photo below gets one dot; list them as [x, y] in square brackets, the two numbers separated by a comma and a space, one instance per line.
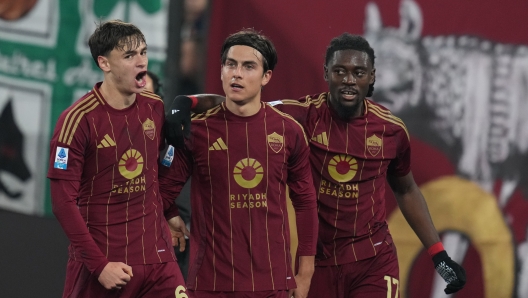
[45, 65]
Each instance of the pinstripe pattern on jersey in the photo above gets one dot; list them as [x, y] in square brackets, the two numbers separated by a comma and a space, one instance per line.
[290, 117]
[149, 94]
[386, 115]
[75, 115]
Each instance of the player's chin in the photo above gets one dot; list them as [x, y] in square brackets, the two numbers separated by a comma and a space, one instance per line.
[139, 89]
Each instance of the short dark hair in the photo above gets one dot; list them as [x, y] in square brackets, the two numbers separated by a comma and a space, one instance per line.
[114, 34]
[251, 38]
[156, 84]
[347, 41]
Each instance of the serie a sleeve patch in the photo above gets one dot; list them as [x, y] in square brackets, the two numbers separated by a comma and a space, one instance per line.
[61, 158]
[169, 156]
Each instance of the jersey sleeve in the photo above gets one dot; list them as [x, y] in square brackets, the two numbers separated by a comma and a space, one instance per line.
[401, 165]
[174, 171]
[302, 193]
[63, 201]
[67, 148]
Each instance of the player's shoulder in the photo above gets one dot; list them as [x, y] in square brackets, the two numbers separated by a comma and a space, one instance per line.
[288, 119]
[84, 105]
[309, 100]
[211, 113]
[381, 114]
[149, 96]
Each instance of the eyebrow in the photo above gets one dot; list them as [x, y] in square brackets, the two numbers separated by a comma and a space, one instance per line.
[243, 62]
[133, 51]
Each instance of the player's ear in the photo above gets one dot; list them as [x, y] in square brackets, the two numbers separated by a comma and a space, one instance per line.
[266, 78]
[104, 65]
[372, 76]
[325, 73]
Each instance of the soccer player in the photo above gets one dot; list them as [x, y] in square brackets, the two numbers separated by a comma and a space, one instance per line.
[355, 145]
[244, 156]
[103, 174]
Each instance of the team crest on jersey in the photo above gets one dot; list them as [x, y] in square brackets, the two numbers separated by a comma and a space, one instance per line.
[374, 144]
[275, 141]
[149, 127]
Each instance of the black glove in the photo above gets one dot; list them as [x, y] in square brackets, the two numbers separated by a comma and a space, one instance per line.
[450, 271]
[178, 121]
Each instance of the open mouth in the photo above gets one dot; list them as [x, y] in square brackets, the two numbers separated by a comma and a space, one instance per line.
[141, 80]
[349, 94]
[236, 86]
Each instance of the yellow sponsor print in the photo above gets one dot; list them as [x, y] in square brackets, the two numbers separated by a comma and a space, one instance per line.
[342, 167]
[133, 185]
[131, 164]
[248, 172]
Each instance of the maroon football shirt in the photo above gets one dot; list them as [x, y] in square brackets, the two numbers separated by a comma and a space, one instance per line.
[350, 162]
[111, 158]
[240, 169]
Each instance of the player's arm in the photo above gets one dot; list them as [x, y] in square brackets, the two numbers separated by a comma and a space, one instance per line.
[174, 171]
[414, 208]
[178, 115]
[302, 194]
[112, 275]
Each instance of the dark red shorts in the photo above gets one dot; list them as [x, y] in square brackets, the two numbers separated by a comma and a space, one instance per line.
[376, 277]
[156, 280]
[240, 294]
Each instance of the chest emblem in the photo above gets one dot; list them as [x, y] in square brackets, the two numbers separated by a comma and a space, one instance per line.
[342, 167]
[275, 141]
[374, 145]
[248, 173]
[149, 127]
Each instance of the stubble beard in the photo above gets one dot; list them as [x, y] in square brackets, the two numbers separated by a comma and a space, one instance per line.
[346, 112]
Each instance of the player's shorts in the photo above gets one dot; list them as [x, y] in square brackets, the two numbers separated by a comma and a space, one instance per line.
[376, 277]
[149, 281]
[240, 294]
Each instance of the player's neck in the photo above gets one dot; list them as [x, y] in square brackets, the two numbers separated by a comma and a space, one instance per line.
[244, 108]
[116, 98]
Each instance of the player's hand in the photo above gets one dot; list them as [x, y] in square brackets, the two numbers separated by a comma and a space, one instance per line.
[178, 232]
[178, 121]
[303, 286]
[450, 271]
[115, 275]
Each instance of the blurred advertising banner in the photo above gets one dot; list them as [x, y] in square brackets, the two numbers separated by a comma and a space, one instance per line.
[456, 72]
[45, 65]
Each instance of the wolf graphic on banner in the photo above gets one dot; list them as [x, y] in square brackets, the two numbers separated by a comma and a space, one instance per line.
[11, 151]
[462, 94]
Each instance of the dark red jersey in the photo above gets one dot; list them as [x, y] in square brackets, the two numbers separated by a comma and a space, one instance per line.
[111, 158]
[241, 167]
[350, 161]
